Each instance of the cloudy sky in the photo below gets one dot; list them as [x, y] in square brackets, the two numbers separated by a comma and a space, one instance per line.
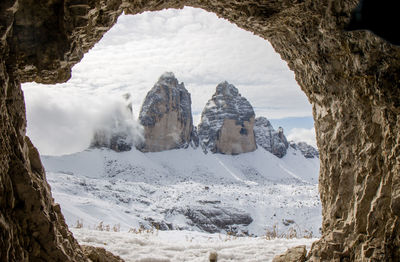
[201, 49]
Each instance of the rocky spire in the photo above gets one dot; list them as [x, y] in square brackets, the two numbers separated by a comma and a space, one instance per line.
[166, 115]
[270, 139]
[227, 122]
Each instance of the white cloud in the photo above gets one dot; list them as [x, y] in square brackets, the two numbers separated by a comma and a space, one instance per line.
[303, 135]
[201, 49]
[62, 121]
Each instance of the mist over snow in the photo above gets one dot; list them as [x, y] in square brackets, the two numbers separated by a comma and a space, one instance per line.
[64, 121]
[201, 49]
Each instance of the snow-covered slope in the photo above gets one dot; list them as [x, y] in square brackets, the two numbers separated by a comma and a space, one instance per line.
[173, 246]
[186, 189]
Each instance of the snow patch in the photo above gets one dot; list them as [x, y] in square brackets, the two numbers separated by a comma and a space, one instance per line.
[174, 246]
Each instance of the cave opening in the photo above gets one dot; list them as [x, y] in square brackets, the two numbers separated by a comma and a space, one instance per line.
[202, 51]
[350, 78]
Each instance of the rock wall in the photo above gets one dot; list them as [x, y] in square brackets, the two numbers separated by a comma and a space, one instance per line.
[166, 115]
[352, 80]
[32, 227]
[234, 138]
[227, 122]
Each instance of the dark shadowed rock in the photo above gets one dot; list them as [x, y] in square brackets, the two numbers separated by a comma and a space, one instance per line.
[270, 139]
[214, 218]
[227, 122]
[166, 115]
[118, 141]
[307, 150]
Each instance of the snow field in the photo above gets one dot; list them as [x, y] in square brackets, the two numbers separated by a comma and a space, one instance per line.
[134, 189]
[176, 246]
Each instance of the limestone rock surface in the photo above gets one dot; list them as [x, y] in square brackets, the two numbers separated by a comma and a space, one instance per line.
[166, 115]
[227, 122]
[294, 254]
[99, 254]
[267, 137]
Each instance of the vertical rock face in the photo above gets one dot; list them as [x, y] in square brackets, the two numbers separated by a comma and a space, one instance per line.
[32, 227]
[270, 139]
[227, 122]
[166, 115]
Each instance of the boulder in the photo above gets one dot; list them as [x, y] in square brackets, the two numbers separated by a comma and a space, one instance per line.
[294, 254]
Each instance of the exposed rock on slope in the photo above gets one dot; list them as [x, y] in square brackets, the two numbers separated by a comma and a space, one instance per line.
[166, 115]
[269, 139]
[307, 150]
[214, 219]
[227, 122]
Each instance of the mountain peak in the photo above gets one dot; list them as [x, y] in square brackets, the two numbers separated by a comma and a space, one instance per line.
[168, 78]
[166, 115]
[167, 75]
[226, 89]
[227, 122]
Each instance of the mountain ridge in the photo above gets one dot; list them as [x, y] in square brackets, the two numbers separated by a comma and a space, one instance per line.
[228, 124]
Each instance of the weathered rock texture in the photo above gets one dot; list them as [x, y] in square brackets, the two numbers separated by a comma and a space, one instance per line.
[32, 227]
[166, 115]
[99, 254]
[352, 80]
[227, 122]
[294, 254]
[270, 139]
